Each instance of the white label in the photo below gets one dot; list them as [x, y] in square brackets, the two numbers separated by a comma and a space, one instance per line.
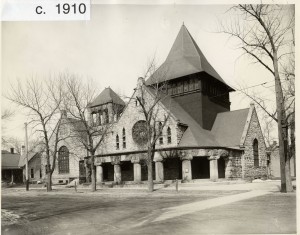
[45, 10]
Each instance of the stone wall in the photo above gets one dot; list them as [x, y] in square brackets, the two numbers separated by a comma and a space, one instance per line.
[233, 165]
[254, 132]
[131, 114]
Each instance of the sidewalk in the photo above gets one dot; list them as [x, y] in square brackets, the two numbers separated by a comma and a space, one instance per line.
[199, 185]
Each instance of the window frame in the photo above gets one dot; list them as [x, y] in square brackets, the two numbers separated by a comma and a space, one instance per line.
[63, 160]
[255, 153]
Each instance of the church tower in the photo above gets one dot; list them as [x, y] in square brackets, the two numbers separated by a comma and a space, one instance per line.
[192, 82]
[106, 108]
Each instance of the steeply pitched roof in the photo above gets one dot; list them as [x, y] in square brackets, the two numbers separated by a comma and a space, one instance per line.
[107, 96]
[195, 135]
[184, 58]
[10, 161]
[229, 126]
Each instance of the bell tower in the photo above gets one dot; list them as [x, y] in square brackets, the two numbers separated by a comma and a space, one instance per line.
[106, 108]
[192, 82]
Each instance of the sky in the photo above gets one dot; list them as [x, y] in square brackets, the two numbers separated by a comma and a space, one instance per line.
[113, 49]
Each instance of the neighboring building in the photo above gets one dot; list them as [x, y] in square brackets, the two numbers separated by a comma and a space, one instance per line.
[10, 171]
[202, 139]
[35, 173]
[274, 162]
[69, 162]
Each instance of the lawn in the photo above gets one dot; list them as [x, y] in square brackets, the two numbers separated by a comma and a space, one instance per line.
[124, 211]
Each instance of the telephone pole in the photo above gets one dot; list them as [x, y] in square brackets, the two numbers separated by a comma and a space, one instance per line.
[26, 156]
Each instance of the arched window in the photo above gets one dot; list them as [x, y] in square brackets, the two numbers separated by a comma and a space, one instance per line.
[106, 116]
[124, 138]
[117, 142]
[169, 135]
[255, 153]
[98, 119]
[63, 160]
[94, 119]
[161, 139]
[101, 118]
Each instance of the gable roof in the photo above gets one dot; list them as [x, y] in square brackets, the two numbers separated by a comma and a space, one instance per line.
[107, 96]
[185, 57]
[10, 160]
[195, 135]
[31, 155]
[229, 126]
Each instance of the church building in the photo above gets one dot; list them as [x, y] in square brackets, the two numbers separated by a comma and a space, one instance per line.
[202, 138]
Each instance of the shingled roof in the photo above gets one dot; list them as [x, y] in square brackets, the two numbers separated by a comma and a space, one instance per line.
[185, 58]
[10, 160]
[107, 96]
[229, 126]
[195, 135]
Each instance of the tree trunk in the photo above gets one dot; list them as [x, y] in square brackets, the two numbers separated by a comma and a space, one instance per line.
[149, 168]
[292, 148]
[286, 183]
[49, 182]
[150, 177]
[93, 175]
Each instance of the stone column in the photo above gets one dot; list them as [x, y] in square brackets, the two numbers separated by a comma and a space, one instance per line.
[117, 170]
[99, 170]
[186, 167]
[159, 167]
[229, 168]
[137, 169]
[213, 164]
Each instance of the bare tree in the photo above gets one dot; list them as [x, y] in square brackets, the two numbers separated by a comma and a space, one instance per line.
[16, 143]
[89, 135]
[6, 115]
[42, 101]
[265, 33]
[149, 99]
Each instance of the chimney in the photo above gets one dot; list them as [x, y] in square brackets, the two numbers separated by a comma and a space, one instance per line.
[22, 150]
[12, 150]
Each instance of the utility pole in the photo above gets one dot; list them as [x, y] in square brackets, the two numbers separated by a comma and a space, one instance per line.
[26, 155]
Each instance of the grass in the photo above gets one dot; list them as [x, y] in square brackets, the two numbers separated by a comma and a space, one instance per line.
[114, 211]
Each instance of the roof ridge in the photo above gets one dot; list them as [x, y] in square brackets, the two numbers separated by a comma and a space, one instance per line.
[231, 111]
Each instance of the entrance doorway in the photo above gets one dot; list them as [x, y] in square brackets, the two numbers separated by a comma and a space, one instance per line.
[172, 169]
[221, 167]
[127, 171]
[200, 168]
[108, 171]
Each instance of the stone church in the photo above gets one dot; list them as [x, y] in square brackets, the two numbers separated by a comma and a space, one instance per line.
[202, 138]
